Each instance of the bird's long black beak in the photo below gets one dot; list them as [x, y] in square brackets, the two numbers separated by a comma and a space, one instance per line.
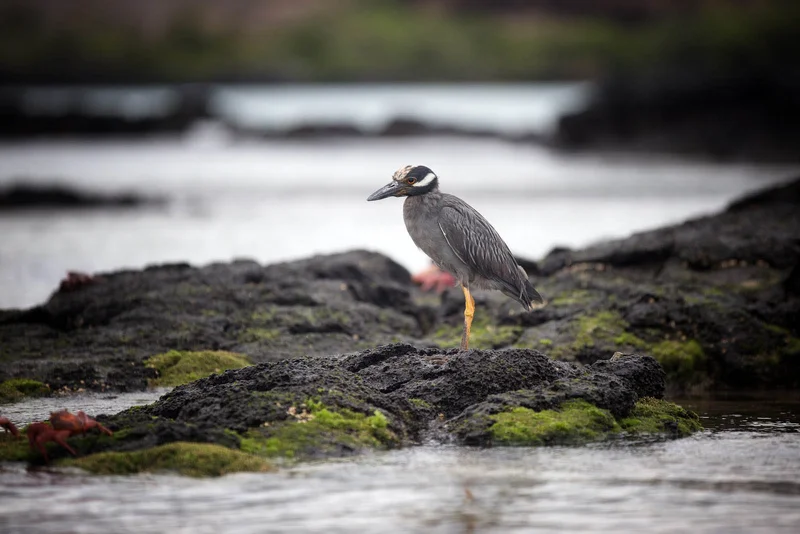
[389, 190]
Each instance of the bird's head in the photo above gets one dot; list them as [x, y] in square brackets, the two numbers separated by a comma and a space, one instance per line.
[408, 181]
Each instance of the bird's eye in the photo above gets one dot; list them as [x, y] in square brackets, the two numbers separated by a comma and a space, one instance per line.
[411, 181]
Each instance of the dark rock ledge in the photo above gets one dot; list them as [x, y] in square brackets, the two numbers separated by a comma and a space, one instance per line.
[392, 396]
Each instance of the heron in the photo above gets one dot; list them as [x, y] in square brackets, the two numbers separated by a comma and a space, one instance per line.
[458, 240]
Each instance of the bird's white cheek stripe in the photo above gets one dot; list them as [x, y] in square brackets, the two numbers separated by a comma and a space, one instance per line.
[425, 181]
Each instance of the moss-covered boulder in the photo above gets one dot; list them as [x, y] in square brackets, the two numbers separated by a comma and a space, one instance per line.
[16, 389]
[188, 459]
[181, 367]
[654, 416]
[391, 396]
[574, 422]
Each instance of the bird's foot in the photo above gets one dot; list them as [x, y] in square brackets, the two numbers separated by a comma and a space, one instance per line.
[434, 278]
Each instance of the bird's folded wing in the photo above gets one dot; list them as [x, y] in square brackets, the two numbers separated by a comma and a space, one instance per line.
[478, 245]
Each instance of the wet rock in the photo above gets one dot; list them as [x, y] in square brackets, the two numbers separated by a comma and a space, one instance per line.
[612, 385]
[451, 380]
[189, 103]
[746, 115]
[22, 196]
[390, 396]
[644, 375]
[100, 334]
[712, 299]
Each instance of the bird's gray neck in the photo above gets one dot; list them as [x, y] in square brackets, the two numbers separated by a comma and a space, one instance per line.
[417, 208]
[431, 198]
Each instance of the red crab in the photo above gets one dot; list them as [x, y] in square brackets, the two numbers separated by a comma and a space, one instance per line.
[76, 280]
[8, 426]
[434, 278]
[62, 425]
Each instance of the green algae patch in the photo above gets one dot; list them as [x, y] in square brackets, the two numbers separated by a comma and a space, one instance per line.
[483, 335]
[251, 335]
[421, 404]
[574, 297]
[792, 344]
[181, 367]
[683, 361]
[576, 422]
[606, 330]
[317, 431]
[188, 459]
[19, 388]
[657, 416]
[603, 327]
[13, 449]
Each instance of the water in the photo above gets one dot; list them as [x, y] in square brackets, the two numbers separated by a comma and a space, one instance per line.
[740, 475]
[39, 409]
[509, 109]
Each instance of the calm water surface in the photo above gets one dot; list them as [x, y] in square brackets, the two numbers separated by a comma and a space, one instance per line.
[740, 475]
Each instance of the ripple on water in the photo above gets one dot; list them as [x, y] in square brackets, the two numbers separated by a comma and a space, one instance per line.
[729, 479]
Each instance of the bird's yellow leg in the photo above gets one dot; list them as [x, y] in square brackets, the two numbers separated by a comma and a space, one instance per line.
[469, 312]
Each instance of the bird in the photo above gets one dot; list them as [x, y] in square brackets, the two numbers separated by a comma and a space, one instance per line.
[458, 240]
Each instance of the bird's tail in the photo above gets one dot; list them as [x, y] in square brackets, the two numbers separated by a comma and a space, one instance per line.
[531, 295]
[526, 294]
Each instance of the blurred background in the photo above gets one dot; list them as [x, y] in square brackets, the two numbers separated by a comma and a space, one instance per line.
[134, 133]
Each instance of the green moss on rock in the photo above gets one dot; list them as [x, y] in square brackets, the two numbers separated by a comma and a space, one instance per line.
[13, 449]
[317, 430]
[18, 388]
[574, 297]
[420, 403]
[181, 367]
[576, 422]
[483, 335]
[189, 459]
[792, 344]
[251, 335]
[683, 361]
[604, 326]
[656, 416]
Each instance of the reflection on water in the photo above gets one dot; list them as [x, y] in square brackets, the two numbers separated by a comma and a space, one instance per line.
[756, 411]
[740, 475]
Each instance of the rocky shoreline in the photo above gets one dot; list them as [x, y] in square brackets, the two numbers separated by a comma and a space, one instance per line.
[21, 196]
[351, 356]
[728, 118]
[743, 115]
[392, 396]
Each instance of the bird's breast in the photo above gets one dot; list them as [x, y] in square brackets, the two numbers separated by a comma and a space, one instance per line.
[421, 216]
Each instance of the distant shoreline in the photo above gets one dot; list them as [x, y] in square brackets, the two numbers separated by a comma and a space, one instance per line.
[686, 114]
